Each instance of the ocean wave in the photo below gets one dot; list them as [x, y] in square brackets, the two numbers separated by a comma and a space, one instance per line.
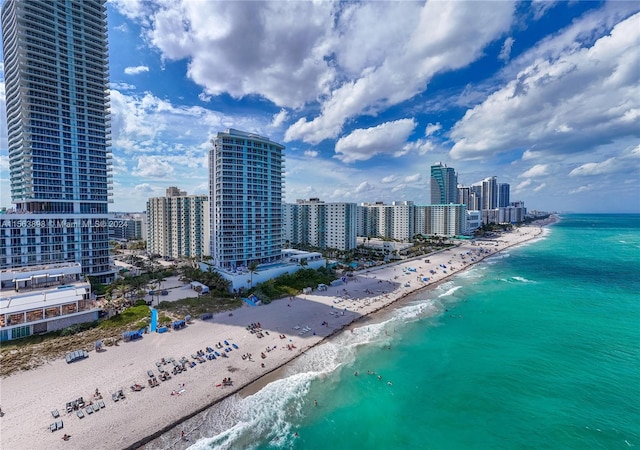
[270, 414]
[472, 273]
[521, 279]
[450, 291]
[493, 259]
[266, 416]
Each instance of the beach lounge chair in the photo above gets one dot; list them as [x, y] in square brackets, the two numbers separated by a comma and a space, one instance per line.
[59, 424]
[55, 413]
[114, 397]
[150, 373]
[101, 404]
[80, 414]
[53, 427]
[96, 407]
[89, 409]
[69, 407]
[235, 345]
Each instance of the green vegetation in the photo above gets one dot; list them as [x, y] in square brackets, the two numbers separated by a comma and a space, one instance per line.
[78, 328]
[130, 316]
[490, 228]
[218, 286]
[137, 245]
[291, 284]
[207, 303]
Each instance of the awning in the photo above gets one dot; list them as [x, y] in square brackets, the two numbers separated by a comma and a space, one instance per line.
[57, 275]
[18, 280]
[45, 275]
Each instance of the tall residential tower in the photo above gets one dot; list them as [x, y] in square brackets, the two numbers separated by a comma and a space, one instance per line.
[444, 185]
[246, 184]
[56, 79]
[178, 225]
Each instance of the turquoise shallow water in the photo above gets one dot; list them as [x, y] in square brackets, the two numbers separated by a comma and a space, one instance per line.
[538, 347]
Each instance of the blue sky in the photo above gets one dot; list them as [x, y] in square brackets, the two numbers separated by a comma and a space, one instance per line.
[367, 95]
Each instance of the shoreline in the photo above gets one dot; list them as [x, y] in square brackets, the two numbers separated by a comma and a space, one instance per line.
[156, 415]
[277, 373]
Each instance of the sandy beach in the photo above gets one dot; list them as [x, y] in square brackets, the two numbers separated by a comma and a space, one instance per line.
[287, 327]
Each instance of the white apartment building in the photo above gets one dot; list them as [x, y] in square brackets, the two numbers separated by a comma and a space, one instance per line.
[245, 185]
[395, 221]
[442, 220]
[178, 225]
[319, 224]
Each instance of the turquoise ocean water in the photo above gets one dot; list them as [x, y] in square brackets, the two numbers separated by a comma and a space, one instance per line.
[535, 348]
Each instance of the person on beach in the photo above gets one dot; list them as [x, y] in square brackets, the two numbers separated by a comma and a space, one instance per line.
[66, 437]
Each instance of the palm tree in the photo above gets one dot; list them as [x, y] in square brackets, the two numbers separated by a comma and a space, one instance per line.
[253, 268]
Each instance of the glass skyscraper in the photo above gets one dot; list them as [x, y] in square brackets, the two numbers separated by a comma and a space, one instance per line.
[56, 78]
[246, 184]
[444, 185]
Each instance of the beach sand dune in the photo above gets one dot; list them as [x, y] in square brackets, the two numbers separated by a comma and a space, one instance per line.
[28, 398]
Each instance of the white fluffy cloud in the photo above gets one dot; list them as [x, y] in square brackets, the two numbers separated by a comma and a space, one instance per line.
[432, 46]
[505, 52]
[311, 153]
[608, 166]
[364, 143]
[432, 128]
[153, 167]
[277, 50]
[389, 179]
[279, 118]
[626, 161]
[588, 88]
[413, 178]
[136, 70]
[536, 171]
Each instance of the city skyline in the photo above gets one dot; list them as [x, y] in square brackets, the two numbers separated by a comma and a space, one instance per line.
[539, 94]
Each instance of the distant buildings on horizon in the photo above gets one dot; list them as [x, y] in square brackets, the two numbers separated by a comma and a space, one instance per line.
[249, 223]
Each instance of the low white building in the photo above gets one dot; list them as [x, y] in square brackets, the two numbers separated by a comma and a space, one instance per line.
[40, 299]
[292, 261]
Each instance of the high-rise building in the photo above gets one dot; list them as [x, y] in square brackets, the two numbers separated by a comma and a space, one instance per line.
[245, 183]
[323, 225]
[444, 185]
[475, 197]
[441, 220]
[56, 79]
[489, 193]
[395, 221]
[178, 225]
[503, 195]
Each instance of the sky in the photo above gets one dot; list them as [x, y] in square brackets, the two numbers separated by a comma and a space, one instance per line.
[366, 96]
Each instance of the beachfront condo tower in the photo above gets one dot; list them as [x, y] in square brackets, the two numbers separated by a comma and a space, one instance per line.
[178, 225]
[319, 224]
[444, 185]
[503, 195]
[490, 193]
[245, 186]
[57, 105]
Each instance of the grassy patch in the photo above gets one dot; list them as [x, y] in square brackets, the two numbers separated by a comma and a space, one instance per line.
[196, 306]
[128, 317]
